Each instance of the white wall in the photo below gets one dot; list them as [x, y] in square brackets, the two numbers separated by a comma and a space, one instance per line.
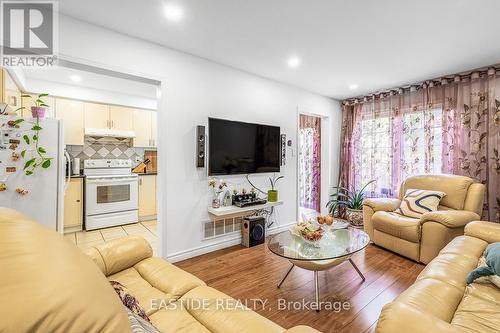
[192, 90]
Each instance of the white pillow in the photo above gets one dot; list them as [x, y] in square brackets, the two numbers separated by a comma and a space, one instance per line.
[417, 202]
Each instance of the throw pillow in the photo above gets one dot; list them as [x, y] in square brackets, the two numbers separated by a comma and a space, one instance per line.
[128, 300]
[488, 266]
[139, 325]
[417, 202]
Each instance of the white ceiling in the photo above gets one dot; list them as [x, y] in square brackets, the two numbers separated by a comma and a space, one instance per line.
[374, 44]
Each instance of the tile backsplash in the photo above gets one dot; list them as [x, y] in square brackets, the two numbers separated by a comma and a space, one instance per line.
[97, 150]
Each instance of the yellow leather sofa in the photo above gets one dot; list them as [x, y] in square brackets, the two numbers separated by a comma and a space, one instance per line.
[48, 285]
[422, 239]
[440, 301]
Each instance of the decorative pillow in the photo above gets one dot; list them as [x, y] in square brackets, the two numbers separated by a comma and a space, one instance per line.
[417, 202]
[128, 300]
[488, 267]
[139, 325]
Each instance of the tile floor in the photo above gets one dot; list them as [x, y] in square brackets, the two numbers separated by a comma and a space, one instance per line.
[146, 229]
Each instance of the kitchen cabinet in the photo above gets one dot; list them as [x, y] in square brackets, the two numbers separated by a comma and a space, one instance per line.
[147, 197]
[96, 115]
[72, 115]
[122, 118]
[11, 93]
[73, 206]
[144, 128]
[28, 102]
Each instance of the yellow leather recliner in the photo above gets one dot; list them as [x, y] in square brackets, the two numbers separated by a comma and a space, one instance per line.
[422, 239]
[440, 301]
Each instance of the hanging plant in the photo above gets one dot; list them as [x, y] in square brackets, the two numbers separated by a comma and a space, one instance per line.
[37, 154]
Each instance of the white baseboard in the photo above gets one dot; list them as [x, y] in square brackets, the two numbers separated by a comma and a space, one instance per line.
[204, 249]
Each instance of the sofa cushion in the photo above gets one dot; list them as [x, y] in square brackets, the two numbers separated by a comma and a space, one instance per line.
[455, 187]
[220, 313]
[397, 225]
[166, 277]
[465, 246]
[479, 309]
[417, 202]
[449, 268]
[174, 317]
[122, 253]
[49, 285]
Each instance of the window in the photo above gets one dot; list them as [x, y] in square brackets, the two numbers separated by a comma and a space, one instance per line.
[408, 145]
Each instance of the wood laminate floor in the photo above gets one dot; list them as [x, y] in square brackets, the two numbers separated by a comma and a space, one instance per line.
[253, 273]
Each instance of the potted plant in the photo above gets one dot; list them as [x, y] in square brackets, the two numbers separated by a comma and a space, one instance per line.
[272, 194]
[40, 107]
[351, 200]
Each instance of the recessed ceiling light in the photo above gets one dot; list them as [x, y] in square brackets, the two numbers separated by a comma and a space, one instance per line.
[173, 12]
[353, 86]
[293, 62]
[76, 78]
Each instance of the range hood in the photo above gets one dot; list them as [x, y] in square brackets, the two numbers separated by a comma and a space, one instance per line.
[109, 133]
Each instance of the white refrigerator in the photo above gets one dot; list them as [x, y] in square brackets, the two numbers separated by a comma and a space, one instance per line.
[39, 195]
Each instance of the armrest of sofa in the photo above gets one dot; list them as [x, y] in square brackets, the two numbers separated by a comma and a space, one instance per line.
[450, 218]
[400, 317]
[301, 329]
[384, 204]
[487, 231]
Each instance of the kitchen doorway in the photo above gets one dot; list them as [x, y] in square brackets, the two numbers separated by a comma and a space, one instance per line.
[309, 166]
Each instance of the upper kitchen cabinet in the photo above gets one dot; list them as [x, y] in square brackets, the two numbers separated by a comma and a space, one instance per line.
[154, 128]
[11, 94]
[121, 118]
[72, 115]
[144, 128]
[96, 115]
[28, 102]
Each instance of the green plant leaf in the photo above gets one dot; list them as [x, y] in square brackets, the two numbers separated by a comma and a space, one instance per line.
[28, 163]
[23, 153]
[43, 95]
[36, 128]
[38, 100]
[44, 105]
[46, 164]
[25, 95]
[41, 150]
[26, 139]
[28, 173]
[35, 137]
[18, 121]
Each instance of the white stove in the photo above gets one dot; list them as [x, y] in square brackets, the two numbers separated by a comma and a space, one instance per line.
[111, 193]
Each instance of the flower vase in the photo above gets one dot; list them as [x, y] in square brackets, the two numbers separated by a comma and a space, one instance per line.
[215, 201]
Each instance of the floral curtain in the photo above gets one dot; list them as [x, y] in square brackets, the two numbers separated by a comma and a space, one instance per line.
[310, 162]
[446, 126]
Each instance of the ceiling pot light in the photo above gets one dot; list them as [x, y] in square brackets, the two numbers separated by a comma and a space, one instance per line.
[353, 86]
[76, 78]
[173, 12]
[293, 62]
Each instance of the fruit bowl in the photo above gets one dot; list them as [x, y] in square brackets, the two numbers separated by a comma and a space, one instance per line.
[309, 232]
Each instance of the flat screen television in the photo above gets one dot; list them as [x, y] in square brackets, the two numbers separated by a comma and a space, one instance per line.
[239, 148]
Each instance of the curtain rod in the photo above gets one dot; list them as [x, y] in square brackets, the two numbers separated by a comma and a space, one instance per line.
[473, 74]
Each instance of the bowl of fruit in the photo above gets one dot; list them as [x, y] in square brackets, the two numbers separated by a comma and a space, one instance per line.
[330, 222]
[309, 232]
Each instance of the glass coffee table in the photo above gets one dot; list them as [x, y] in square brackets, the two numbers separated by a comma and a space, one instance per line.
[335, 247]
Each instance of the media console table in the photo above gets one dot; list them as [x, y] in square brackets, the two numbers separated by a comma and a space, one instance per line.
[233, 211]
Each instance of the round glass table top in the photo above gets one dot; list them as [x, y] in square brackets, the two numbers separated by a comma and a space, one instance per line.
[334, 244]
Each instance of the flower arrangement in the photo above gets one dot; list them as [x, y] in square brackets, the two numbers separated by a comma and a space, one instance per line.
[217, 188]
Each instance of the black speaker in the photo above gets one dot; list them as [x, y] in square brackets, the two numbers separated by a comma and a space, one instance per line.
[200, 146]
[253, 231]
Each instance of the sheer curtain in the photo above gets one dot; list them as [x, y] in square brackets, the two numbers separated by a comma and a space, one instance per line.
[310, 162]
[446, 126]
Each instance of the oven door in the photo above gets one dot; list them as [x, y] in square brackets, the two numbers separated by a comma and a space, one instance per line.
[110, 194]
